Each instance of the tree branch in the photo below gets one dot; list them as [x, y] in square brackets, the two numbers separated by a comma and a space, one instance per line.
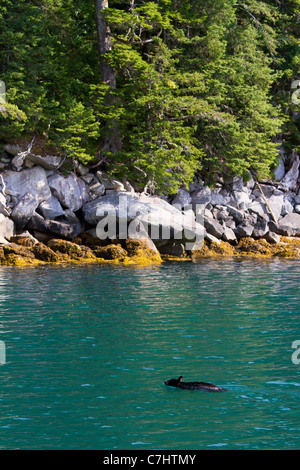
[140, 42]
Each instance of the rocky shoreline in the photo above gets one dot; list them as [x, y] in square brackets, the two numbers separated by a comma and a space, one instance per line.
[51, 215]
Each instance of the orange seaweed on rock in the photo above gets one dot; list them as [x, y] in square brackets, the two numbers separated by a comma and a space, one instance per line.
[110, 252]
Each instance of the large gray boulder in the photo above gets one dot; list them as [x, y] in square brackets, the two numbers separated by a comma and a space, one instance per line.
[237, 215]
[32, 181]
[70, 190]
[3, 205]
[63, 228]
[260, 228]
[228, 235]
[289, 225]
[241, 199]
[276, 204]
[162, 220]
[49, 162]
[259, 207]
[7, 229]
[213, 227]
[218, 197]
[289, 182]
[244, 229]
[12, 149]
[202, 196]
[182, 198]
[24, 210]
[51, 208]
[67, 227]
[280, 169]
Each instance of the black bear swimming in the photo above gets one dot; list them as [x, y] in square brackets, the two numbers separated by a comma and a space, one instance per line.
[194, 385]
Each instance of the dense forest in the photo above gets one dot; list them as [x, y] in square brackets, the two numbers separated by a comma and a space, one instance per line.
[154, 90]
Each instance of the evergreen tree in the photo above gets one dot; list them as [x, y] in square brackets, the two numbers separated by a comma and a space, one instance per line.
[157, 89]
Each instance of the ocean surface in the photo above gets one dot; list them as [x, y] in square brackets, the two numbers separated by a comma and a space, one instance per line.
[88, 349]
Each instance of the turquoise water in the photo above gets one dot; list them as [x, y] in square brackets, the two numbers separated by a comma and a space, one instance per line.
[88, 349]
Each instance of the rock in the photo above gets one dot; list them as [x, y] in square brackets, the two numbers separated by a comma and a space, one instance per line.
[128, 187]
[287, 205]
[230, 223]
[297, 208]
[242, 199]
[276, 204]
[88, 178]
[272, 237]
[140, 253]
[44, 253]
[172, 249]
[289, 225]
[51, 208]
[244, 229]
[71, 217]
[260, 228]
[213, 227]
[182, 199]
[42, 237]
[49, 162]
[220, 213]
[82, 170]
[280, 169]
[3, 206]
[110, 252]
[251, 246]
[162, 220]
[267, 190]
[108, 182]
[208, 214]
[250, 182]
[137, 231]
[201, 197]
[67, 227]
[219, 197]
[37, 223]
[24, 210]
[196, 185]
[17, 251]
[7, 229]
[97, 190]
[68, 250]
[237, 183]
[289, 182]
[12, 149]
[211, 239]
[70, 190]
[24, 239]
[238, 215]
[17, 161]
[63, 228]
[32, 181]
[228, 235]
[259, 208]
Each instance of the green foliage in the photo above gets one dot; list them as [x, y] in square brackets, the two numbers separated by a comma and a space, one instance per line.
[12, 121]
[199, 85]
[79, 133]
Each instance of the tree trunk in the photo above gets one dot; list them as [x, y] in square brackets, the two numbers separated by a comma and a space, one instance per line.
[112, 141]
[104, 44]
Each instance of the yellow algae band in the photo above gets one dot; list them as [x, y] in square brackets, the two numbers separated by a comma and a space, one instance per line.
[288, 247]
[25, 251]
